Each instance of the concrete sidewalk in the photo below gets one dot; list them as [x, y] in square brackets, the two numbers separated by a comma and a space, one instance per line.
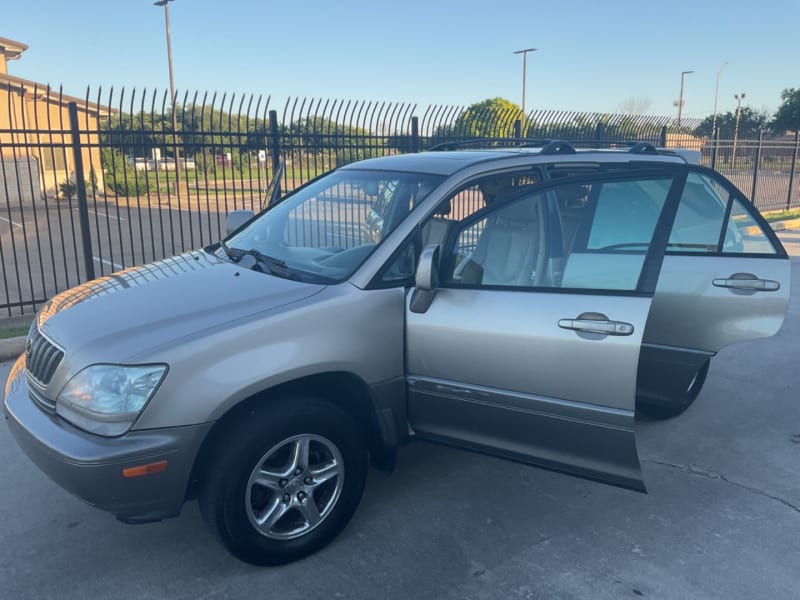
[11, 347]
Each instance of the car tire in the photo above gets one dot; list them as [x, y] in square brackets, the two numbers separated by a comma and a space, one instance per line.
[660, 412]
[285, 480]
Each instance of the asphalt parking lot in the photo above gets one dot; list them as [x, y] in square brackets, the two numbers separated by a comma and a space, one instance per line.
[41, 250]
[721, 519]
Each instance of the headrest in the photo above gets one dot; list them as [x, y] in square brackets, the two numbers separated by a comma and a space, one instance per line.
[370, 187]
[443, 209]
[497, 189]
[519, 210]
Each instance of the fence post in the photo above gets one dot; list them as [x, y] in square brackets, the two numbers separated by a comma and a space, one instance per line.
[794, 168]
[714, 146]
[276, 148]
[517, 129]
[755, 167]
[80, 182]
[663, 140]
[599, 131]
[415, 141]
[276, 144]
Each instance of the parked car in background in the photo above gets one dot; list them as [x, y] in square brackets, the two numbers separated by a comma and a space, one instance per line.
[523, 302]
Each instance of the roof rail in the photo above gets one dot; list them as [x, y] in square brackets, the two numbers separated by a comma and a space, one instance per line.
[558, 147]
[643, 148]
[452, 145]
[549, 146]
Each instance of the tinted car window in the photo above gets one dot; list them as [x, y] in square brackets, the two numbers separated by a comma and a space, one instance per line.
[521, 243]
[700, 216]
[744, 234]
[626, 214]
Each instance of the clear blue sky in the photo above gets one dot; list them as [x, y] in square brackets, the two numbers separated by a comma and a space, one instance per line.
[593, 54]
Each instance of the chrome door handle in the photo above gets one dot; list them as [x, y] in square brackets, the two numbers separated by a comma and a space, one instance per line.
[747, 282]
[596, 323]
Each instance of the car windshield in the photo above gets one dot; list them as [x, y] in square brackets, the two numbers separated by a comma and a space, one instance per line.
[326, 230]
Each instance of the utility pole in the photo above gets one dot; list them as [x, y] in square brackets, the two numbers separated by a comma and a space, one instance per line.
[174, 99]
[680, 98]
[739, 98]
[524, 72]
[716, 96]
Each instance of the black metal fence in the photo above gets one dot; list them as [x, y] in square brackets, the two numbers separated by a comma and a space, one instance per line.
[92, 185]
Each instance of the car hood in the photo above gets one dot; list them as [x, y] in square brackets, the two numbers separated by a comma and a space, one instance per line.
[135, 310]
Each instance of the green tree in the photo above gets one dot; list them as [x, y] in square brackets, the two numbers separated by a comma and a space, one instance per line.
[120, 177]
[318, 135]
[138, 134]
[788, 116]
[493, 117]
[750, 122]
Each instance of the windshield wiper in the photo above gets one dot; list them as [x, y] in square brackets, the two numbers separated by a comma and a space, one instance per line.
[275, 266]
[226, 249]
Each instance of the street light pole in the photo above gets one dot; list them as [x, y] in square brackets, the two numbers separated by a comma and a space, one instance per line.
[739, 98]
[174, 99]
[524, 72]
[680, 98]
[716, 96]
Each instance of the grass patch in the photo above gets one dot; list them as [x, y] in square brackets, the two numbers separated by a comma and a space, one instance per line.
[11, 332]
[780, 215]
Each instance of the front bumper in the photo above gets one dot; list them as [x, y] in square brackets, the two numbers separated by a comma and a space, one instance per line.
[90, 466]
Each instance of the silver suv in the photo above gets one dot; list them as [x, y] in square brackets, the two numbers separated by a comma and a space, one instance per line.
[519, 302]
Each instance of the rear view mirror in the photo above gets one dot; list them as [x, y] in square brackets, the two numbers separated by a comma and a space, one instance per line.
[237, 218]
[427, 279]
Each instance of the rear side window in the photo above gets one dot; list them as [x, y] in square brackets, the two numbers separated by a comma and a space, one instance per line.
[626, 214]
[701, 213]
[700, 222]
[743, 234]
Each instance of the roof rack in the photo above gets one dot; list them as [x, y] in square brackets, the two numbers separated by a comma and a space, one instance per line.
[558, 147]
[549, 146]
[643, 148]
[510, 142]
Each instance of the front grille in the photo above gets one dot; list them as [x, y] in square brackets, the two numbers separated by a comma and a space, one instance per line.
[41, 401]
[42, 357]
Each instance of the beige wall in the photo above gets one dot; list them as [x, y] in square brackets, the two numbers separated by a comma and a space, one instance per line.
[43, 123]
[684, 140]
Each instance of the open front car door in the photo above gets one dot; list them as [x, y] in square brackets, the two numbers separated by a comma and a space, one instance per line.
[528, 346]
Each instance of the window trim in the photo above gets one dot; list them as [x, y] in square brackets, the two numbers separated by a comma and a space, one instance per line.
[653, 258]
[735, 193]
[376, 283]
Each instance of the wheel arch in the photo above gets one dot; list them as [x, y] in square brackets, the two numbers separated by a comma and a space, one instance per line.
[343, 389]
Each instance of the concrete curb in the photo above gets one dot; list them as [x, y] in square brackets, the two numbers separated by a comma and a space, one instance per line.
[785, 225]
[11, 348]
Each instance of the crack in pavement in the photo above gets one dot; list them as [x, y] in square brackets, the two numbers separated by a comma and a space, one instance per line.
[710, 474]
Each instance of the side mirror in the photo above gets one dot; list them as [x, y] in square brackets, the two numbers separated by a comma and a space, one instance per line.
[426, 280]
[237, 218]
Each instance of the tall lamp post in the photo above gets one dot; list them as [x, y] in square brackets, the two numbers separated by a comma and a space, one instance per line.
[716, 96]
[173, 97]
[739, 98]
[680, 98]
[524, 72]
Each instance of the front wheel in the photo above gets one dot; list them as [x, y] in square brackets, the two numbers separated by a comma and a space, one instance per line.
[287, 481]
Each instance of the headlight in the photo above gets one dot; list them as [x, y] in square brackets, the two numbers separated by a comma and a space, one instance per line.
[107, 399]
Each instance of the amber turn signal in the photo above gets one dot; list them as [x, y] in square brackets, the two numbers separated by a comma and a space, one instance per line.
[139, 471]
